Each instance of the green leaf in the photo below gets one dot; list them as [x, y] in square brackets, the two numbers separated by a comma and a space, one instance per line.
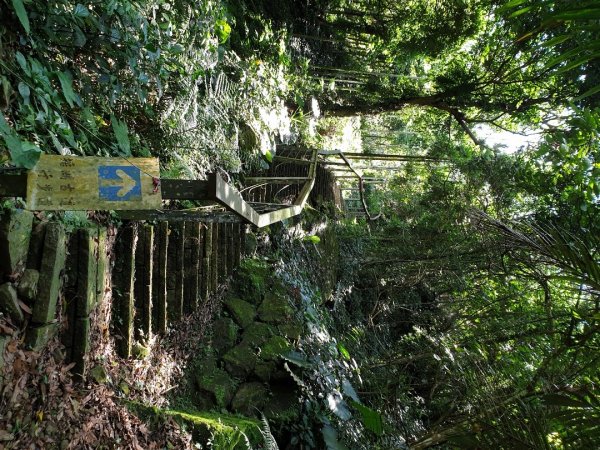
[557, 40]
[28, 156]
[588, 93]
[269, 156]
[579, 62]
[66, 83]
[563, 400]
[371, 419]
[520, 12]
[331, 439]
[223, 30]
[298, 359]
[314, 239]
[21, 14]
[344, 352]
[24, 91]
[81, 11]
[122, 135]
[578, 14]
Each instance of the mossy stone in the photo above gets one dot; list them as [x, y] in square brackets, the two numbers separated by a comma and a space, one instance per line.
[15, 232]
[249, 398]
[219, 384]
[38, 337]
[225, 333]
[257, 334]
[275, 308]
[243, 312]
[291, 330]
[240, 360]
[28, 284]
[274, 348]
[251, 280]
[9, 303]
[264, 370]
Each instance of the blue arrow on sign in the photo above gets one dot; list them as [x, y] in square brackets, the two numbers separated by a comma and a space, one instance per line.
[119, 183]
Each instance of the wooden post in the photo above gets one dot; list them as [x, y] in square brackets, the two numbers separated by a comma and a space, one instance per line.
[206, 262]
[191, 266]
[215, 257]
[223, 244]
[175, 253]
[237, 239]
[143, 282]
[230, 248]
[122, 280]
[159, 278]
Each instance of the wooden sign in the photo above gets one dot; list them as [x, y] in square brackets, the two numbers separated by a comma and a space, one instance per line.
[90, 183]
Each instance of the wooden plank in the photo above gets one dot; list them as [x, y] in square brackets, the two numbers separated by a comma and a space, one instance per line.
[191, 266]
[122, 293]
[272, 180]
[230, 248]
[159, 278]
[215, 256]
[82, 183]
[205, 285]
[175, 253]
[237, 248]
[223, 244]
[174, 216]
[143, 282]
[285, 159]
[184, 189]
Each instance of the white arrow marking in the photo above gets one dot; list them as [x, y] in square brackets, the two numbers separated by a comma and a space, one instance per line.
[127, 182]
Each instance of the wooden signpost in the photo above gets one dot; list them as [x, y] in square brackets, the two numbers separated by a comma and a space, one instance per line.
[89, 183]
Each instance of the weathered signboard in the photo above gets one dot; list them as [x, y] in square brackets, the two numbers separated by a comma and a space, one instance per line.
[88, 183]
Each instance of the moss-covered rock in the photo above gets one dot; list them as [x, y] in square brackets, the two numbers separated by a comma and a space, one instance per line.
[291, 331]
[28, 284]
[250, 244]
[275, 308]
[242, 311]
[251, 280]
[249, 398]
[264, 370]
[218, 384]
[257, 334]
[15, 231]
[225, 333]
[240, 360]
[223, 430]
[9, 304]
[274, 348]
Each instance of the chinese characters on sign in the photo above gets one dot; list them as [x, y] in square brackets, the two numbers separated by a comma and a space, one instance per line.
[85, 183]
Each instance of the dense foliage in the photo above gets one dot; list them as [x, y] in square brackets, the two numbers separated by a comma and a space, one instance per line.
[472, 317]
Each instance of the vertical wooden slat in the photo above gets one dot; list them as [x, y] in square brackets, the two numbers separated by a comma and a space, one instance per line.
[222, 252]
[191, 266]
[159, 278]
[122, 279]
[237, 240]
[175, 253]
[215, 256]
[143, 282]
[205, 286]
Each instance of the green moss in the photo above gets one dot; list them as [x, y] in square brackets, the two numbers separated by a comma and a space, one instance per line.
[243, 312]
[240, 360]
[274, 347]
[218, 383]
[223, 429]
[251, 280]
[224, 334]
[275, 308]
[257, 334]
